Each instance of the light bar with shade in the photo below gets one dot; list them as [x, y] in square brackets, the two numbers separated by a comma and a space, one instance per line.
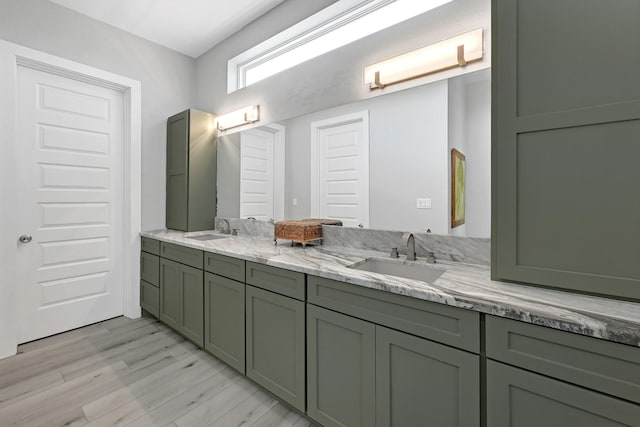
[454, 52]
[243, 116]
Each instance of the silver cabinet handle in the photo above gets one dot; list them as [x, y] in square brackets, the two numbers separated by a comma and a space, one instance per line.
[25, 238]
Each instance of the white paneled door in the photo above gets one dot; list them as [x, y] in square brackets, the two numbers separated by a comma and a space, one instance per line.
[257, 174]
[340, 169]
[70, 204]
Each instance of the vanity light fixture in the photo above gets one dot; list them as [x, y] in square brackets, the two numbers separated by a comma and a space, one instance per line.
[454, 52]
[243, 116]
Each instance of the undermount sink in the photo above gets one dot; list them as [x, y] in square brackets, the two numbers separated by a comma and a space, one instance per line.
[209, 236]
[407, 270]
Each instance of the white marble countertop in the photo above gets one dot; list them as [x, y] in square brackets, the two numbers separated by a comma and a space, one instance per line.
[461, 285]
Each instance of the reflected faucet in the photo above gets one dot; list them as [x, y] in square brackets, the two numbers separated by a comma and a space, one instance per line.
[227, 229]
[410, 241]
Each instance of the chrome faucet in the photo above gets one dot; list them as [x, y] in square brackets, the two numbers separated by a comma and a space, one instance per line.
[225, 230]
[410, 241]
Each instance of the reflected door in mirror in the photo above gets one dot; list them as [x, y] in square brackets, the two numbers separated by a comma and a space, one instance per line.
[340, 169]
[257, 174]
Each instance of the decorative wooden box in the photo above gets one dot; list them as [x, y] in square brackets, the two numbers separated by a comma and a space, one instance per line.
[302, 231]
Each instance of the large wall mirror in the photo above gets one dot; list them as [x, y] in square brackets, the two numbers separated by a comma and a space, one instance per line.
[382, 163]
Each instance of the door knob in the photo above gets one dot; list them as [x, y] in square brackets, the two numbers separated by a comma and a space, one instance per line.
[25, 238]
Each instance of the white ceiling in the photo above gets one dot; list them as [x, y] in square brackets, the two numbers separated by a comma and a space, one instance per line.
[188, 26]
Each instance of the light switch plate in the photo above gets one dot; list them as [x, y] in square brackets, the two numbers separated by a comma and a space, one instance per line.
[423, 203]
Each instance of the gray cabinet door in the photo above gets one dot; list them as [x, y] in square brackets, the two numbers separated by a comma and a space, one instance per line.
[419, 382]
[169, 312]
[340, 369]
[182, 299]
[192, 304]
[224, 315]
[275, 344]
[565, 125]
[177, 170]
[518, 398]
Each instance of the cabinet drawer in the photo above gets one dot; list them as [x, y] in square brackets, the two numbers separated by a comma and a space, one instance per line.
[516, 397]
[182, 254]
[449, 325]
[149, 297]
[285, 282]
[605, 366]
[150, 245]
[150, 268]
[231, 268]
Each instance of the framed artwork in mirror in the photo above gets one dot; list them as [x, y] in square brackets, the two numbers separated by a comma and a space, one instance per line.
[458, 165]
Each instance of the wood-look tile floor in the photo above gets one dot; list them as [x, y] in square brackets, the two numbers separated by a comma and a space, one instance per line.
[134, 373]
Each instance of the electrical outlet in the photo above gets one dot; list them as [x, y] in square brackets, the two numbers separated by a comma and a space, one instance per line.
[423, 203]
[295, 202]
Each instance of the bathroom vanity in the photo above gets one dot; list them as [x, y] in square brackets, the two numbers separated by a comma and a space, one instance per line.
[350, 347]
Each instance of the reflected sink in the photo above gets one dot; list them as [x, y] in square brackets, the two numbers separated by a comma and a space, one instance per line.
[209, 236]
[407, 270]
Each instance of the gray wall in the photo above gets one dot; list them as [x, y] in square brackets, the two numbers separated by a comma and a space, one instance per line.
[168, 78]
[457, 140]
[478, 133]
[470, 133]
[228, 176]
[335, 78]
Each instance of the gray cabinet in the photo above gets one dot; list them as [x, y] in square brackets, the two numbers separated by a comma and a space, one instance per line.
[340, 369]
[181, 299]
[275, 329]
[518, 398]
[419, 382]
[565, 125]
[191, 171]
[601, 365]
[558, 378]
[352, 356]
[224, 315]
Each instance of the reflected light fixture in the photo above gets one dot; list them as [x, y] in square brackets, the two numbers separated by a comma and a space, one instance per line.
[453, 52]
[243, 116]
